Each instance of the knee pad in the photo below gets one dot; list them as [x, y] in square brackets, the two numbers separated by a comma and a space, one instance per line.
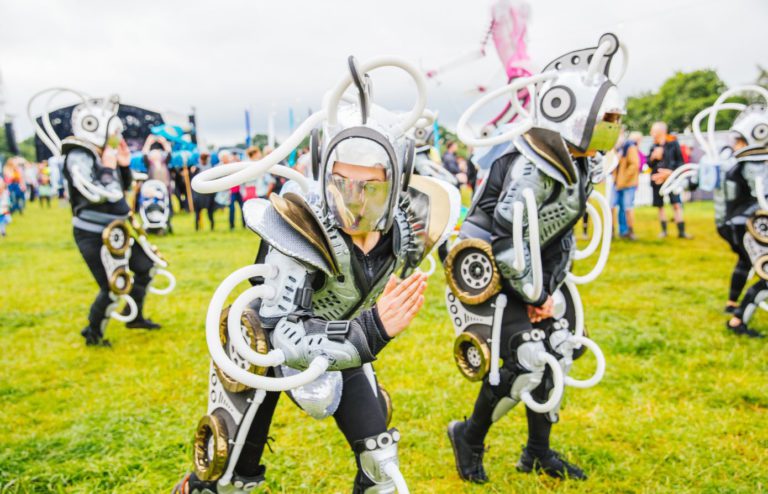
[377, 456]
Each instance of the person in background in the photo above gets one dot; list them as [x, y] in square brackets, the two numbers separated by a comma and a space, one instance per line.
[202, 201]
[235, 193]
[626, 178]
[451, 162]
[45, 191]
[30, 180]
[12, 174]
[5, 207]
[665, 157]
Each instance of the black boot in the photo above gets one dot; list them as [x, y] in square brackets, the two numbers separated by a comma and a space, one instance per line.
[469, 458]
[142, 323]
[663, 233]
[681, 231]
[551, 463]
[743, 329]
[94, 337]
[190, 484]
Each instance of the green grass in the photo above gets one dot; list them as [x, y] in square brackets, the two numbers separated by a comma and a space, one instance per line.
[683, 406]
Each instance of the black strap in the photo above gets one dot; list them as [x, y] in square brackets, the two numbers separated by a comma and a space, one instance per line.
[337, 330]
[303, 298]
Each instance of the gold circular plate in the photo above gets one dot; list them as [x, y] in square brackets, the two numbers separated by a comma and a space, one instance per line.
[453, 263]
[757, 225]
[257, 337]
[472, 356]
[210, 459]
[761, 266]
[121, 281]
[116, 238]
[388, 401]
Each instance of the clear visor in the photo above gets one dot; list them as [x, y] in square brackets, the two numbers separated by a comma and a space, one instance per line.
[606, 132]
[359, 184]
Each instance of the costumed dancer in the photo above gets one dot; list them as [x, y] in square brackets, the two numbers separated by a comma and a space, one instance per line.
[96, 166]
[511, 294]
[736, 175]
[328, 295]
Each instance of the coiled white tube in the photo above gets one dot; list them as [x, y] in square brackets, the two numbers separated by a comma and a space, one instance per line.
[533, 292]
[594, 242]
[605, 247]
[494, 378]
[464, 131]
[727, 94]
[271, 359]
[91, 191]
[557, 390]
[131, 304]
[432, 265]
[518, 263]
[710, 148]
[171, 282]
[220, 358]
[599, 371]
[675, 179]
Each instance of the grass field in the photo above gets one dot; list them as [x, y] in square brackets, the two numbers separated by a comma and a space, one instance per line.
[683, 406]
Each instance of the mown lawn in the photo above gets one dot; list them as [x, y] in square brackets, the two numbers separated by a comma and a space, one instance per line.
[683, 406]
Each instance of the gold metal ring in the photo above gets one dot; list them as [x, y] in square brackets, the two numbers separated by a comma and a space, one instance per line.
[762, 217]
[388, 401]
[472, 355]
[121, 281]
[760, 266]
[453, 262]
[257, 338]
[211, 448]
[116, 238]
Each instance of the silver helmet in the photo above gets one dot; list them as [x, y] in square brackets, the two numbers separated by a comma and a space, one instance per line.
[751, 125]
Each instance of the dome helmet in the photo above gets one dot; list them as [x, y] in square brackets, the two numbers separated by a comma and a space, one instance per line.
[352, 130]
[574, 95]
[751, 125]
[93, 120]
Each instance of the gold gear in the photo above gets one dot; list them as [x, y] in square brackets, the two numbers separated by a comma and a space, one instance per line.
[760, 266]
[210, 428]
[107, 237]
[258, 343]
[115, 281]
[760, 235]
[472, 355]
[459, 251]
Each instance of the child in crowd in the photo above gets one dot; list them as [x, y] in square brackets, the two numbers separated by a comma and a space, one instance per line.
[5, 207]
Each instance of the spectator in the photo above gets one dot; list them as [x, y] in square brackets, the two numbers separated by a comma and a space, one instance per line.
[12, 174]
[45, 191]
[451, 162]
[5, 207]
[626, 178]
[235, 193]
[30, 180]
[665, 157]
[202, 201]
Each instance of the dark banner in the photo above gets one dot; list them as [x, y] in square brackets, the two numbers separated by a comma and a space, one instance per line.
[10, 138]
[138, 124]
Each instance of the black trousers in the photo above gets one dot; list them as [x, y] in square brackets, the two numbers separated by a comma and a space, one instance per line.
[90, 248]
[514, 321]
[361, 414]
[734, 235]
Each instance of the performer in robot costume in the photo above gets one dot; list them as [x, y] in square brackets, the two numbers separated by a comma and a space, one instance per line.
[96, 168]
[326, 297]
[511, 295]
[736, 175]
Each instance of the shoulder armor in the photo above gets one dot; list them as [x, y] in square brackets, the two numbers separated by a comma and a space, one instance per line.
[266, 221]
[289, 287]
[547, 150]
[70, 143]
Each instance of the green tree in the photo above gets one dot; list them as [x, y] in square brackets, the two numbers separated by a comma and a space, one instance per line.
[26, 147]
[677, 101]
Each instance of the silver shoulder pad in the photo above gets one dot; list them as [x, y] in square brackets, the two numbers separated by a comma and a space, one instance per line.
[263, 219]
[541, 163]
[291, 278]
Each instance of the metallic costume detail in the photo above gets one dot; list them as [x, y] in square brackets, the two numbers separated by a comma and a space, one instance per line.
[257, 339]
[375, 453]
[302, 341]
[530, 378]
[292, 279]
[320, 398]
[472, 354]
[211, 449]
[471, 272]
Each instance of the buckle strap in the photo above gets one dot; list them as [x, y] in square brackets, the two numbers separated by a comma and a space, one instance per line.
[303, 298]
[337, 330]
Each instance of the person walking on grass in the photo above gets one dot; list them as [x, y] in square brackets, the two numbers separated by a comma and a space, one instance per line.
[665, 157]
[626, 179]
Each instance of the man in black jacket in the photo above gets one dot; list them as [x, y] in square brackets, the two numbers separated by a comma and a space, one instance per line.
[665, 155]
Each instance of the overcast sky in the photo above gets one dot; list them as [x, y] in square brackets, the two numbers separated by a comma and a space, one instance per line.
[268, 55]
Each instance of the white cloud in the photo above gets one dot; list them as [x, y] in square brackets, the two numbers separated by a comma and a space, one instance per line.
[270, 55]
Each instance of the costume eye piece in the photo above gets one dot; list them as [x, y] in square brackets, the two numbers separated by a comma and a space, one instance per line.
[558, 103]
[90, 123]
[760, 131]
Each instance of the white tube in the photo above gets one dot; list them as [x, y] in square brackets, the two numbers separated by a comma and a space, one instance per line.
[131, 304]
[317, 367]
[271, 359]
[242, 433]
[171, 283]
[760, 191]
[557, 390]
[47, 139]
[432, 265]
[91, 191]
[590, 249]
[426, 120]
[710, 148]
[676, 179]
[597, 57]
[409, 119]
[578, 307]
[605, 247]
[625, 62]
[599, 371]
[394, 473]
[727, 94]
[464, 131]
[493, 376]
[147, 248]
[517, 236]
[223, 177]
[533, 292]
